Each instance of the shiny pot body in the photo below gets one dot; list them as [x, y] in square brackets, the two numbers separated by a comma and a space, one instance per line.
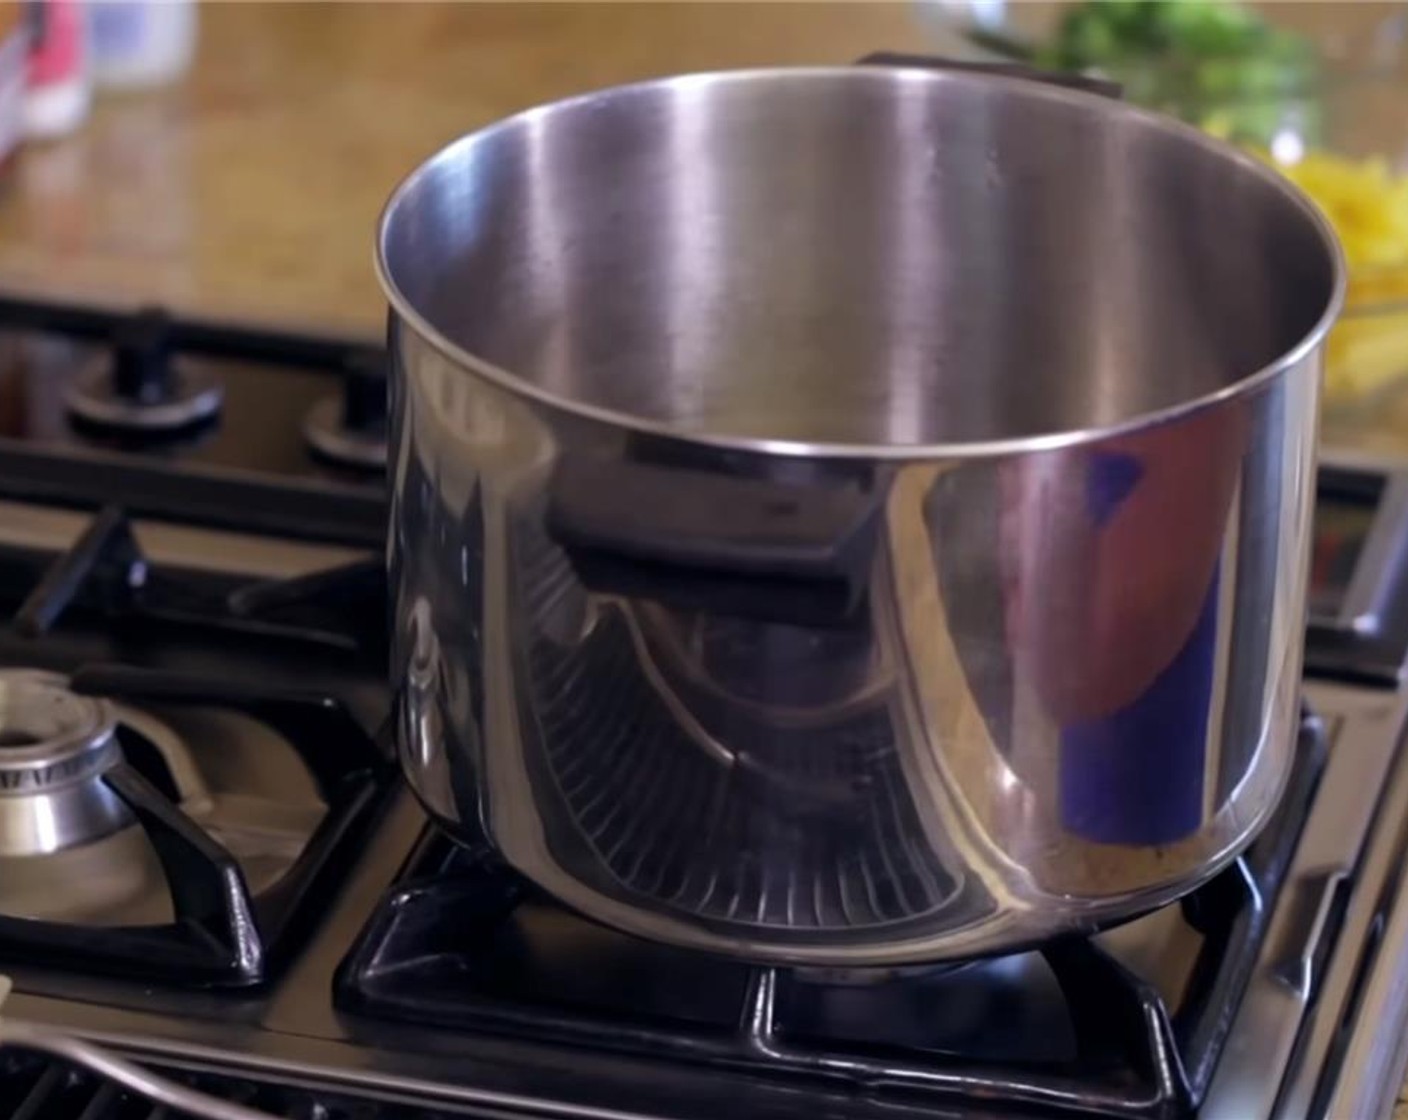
[851, 517]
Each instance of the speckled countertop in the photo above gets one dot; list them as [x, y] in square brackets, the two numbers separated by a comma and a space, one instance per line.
[251, 190]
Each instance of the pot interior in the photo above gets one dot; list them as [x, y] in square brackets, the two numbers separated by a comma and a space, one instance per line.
[857, 257]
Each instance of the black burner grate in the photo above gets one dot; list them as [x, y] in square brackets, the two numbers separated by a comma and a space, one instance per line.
[222, 933]
[104, 572]
[464, 945]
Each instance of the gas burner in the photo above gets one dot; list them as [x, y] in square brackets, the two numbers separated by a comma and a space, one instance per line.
[169, 826]
[55, 747]
[350, 429]
[143, 390]
[133, 389]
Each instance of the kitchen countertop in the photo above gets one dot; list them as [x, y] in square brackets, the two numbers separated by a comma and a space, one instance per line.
[250, 191]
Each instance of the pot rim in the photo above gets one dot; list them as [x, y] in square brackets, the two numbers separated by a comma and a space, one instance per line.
[894, 452]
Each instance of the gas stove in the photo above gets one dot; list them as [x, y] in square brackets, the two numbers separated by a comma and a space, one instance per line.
[209, 866]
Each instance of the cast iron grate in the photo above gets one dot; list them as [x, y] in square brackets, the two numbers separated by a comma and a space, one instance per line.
[104, 572]
[462, 944]
[221, 932]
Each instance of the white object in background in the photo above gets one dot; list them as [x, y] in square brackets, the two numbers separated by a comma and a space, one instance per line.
[58, 92]
[989, 15]
[137, 44]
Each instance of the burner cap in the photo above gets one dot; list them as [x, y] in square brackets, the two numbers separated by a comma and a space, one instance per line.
[333, 438]
[191, 399]
[142, 389]
[54, 748]
[350, 429]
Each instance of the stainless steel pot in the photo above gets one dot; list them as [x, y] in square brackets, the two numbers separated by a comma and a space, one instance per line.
[855, 516]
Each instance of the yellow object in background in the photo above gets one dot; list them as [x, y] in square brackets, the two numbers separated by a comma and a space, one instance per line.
[1367, 203]
[1364, 353]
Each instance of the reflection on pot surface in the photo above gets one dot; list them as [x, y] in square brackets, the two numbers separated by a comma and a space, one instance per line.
[914, 775]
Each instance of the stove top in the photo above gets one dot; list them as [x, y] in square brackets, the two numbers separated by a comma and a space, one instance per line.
[208, 863]
[200, 421]
[170, 808]
[166, 827]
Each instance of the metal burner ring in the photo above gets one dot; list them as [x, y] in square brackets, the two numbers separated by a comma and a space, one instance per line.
[54, 748]
[49, 736]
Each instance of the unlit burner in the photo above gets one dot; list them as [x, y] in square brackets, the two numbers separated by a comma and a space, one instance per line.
[143, 389]
[350, 429]
[55, 747]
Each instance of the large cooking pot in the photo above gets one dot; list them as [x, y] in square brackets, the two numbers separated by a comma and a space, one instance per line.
[852, 516]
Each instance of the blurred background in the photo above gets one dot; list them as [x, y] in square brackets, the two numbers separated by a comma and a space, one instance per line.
[230, 159]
